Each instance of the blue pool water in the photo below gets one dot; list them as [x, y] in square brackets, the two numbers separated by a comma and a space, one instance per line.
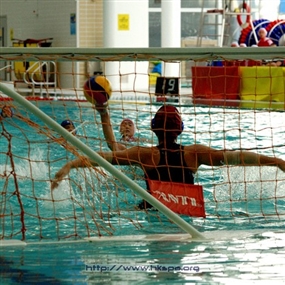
[245, 207]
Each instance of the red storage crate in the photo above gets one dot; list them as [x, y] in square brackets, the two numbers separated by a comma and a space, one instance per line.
[216, 85]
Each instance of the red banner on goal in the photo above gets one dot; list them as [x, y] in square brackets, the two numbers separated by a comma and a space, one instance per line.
[181, 198]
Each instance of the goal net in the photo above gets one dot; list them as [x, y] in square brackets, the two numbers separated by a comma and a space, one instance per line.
[228, 99]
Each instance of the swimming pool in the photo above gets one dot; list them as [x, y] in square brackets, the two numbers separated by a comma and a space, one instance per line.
[245, 207]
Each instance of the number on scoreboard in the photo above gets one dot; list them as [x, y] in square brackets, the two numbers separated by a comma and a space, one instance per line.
[167, 86]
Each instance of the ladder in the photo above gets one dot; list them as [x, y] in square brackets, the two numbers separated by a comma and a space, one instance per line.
[216, 23]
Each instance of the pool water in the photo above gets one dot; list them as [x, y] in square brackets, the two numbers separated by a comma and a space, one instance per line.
[225, 258]
[245, 207]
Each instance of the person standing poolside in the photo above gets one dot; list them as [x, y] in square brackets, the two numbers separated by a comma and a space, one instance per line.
[264, 41]
[169, 161]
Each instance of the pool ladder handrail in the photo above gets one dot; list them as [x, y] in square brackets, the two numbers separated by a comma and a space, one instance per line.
[39, 69]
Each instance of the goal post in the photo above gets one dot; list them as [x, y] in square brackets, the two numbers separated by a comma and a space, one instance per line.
[229, 98]
[102, 162]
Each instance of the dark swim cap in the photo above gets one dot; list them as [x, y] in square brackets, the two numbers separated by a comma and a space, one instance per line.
[66, 123]
[167, 120]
